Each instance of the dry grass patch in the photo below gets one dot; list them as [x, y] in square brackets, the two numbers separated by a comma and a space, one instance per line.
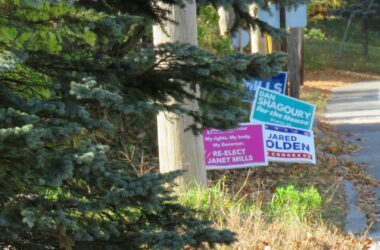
[257, 228]
[254, 232]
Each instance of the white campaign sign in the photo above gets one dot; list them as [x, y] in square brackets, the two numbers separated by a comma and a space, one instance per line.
[272, 17]
[296, 18]
[285, 144]
[240, 39]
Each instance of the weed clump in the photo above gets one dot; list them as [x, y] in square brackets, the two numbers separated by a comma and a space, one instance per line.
[291, 203]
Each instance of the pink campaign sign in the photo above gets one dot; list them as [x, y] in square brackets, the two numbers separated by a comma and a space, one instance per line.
[235, 148]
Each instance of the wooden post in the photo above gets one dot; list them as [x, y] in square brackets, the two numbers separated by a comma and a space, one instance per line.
[295, 59]
[180, 149]
[283, 26]
[276, 45]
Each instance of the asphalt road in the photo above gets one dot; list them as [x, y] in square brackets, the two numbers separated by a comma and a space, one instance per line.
[356, 108]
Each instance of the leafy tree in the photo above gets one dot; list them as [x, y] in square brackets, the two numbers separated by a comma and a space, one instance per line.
[70, 71]
[209, 36]
[320, 9]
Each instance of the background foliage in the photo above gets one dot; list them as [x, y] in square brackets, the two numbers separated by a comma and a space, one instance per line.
[78, 80]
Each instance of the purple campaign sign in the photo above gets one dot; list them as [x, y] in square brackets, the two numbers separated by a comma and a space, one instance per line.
[235, 148]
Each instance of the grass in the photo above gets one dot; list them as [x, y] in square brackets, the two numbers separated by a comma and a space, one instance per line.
[334, 30]
[316, 96]
[320, 54]
[254, 229]
[323, 53]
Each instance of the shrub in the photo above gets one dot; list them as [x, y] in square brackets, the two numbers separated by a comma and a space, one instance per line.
[215, 202]
[293, 203]
[314, 33]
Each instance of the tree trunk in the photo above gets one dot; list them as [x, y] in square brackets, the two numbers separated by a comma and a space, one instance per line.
[284, 46]
[365, 37]
[344, 37]
[295, 60]
[302, 66]
[180, 149]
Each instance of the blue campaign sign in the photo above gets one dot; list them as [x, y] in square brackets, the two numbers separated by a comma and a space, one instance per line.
[276, 83]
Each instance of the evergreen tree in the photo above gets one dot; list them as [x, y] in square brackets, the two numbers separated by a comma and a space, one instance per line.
[68, 70]
[367, 12]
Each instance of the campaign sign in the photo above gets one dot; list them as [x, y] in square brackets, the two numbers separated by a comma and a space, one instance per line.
[289, 145]
[276, 83]
[271, 16]
[296, 17]
[272, 107]
[235, 148]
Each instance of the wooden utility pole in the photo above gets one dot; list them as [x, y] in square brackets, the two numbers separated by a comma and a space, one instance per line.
[180, 149]
[283, 26]
[295, 60]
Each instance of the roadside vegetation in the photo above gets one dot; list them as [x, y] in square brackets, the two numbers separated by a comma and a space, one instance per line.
[350, 59]
[298, 206]
[86, 177]
[292, 219]
[328, 34]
